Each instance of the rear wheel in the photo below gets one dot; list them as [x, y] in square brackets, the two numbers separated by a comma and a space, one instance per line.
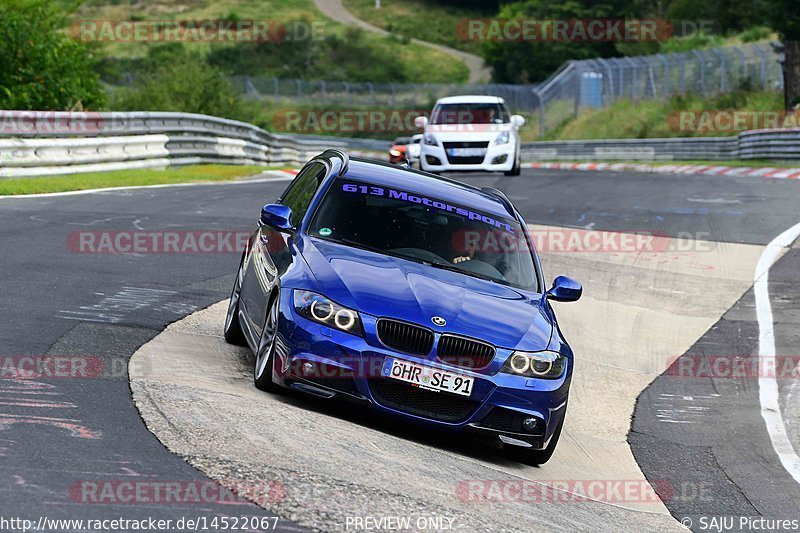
[534, 457]
[265, 355]
[233, 328]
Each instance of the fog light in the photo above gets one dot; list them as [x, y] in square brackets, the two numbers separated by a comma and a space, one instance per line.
[530, 424]
[432, 160]
[500, 159]
[308, 368]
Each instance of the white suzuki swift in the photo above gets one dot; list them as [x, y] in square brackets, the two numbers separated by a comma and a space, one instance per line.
[470, 133]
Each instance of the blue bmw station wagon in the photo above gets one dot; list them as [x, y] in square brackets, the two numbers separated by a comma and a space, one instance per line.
[375, 283]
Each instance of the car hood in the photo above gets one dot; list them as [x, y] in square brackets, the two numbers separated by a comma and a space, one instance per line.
[385, 286]
[467, 133]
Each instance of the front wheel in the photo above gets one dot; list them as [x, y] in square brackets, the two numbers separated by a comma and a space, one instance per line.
[516, 170]
[265, 355]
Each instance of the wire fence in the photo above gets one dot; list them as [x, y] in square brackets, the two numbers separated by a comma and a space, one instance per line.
[596, 83]
[577, 85]
[519, 98]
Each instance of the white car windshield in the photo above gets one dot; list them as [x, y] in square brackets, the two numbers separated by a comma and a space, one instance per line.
[489, 113]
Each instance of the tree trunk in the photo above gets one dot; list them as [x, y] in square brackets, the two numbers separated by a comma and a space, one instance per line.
[791, 73]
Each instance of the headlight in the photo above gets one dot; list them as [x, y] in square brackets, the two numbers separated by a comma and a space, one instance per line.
[503, 138]
[320, 309]
[430, 139]
[395, 153]
[547, 364]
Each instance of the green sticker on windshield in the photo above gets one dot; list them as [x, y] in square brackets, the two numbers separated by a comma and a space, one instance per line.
[325, 231]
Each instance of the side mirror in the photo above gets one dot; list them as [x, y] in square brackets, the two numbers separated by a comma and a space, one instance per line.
[565, 289]
[517, 121]
[277, 216]
[421, 122]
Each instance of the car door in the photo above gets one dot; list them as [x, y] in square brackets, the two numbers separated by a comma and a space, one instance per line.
[273, 252]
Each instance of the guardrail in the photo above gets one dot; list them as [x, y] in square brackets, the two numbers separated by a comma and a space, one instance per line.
[756, 144]
[35, 144]
[47, 143]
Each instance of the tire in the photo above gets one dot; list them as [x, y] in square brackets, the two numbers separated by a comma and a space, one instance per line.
[516, 170]
[534, 457]
[233, 328]
[265, 354]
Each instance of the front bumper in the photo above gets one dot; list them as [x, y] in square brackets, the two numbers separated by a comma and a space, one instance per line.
[348, 366]
[498, 158]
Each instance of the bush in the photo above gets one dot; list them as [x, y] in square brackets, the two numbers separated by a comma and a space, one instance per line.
[41, 67]
[174, 79]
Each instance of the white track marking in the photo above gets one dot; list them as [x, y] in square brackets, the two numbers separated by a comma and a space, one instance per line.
[768, 386]
[279, 177]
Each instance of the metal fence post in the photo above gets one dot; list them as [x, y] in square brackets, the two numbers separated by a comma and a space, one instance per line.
[633, 76]
[702, 64]
[743, 60]
[609, 77]
[540, 105]
[762, 71]
[722, 69]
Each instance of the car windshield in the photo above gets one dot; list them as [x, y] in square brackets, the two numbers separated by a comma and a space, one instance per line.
[425, 229]
[470, 114]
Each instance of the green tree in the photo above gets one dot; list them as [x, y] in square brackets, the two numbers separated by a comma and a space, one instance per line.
[784, 17]
[533, 60]
[41, 68]
[174, 79]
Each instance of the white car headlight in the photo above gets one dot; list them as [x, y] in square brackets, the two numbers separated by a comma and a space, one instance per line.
[320, 309]
[546, 364]
[503, 138]
[429, 139]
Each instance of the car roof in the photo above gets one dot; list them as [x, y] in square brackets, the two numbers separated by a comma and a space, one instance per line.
[383, 174]
[471, 99]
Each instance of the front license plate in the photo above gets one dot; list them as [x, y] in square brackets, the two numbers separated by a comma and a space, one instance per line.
[466, 152]
[426, 377]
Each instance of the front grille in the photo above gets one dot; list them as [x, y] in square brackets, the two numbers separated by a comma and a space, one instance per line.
[421, 402]
[405, 337]
[465, 160]
[465, 353]
[466, 144]
[473, 160]
[509, 421]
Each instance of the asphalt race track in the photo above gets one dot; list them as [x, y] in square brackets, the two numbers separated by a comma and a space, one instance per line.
[704, 436]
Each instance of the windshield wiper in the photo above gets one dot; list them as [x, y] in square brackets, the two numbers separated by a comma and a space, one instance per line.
[367, 247]
[356, 244]
[453, 268]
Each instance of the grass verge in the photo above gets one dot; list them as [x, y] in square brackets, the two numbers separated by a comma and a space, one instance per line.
[424, 20]
[334, 52]
[627, 119]
[126, 178]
